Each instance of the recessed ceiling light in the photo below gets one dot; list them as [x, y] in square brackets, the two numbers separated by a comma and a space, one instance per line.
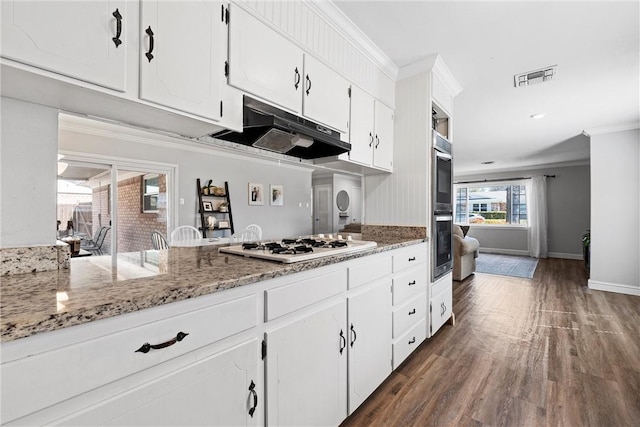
[488, 162]
[537, 116]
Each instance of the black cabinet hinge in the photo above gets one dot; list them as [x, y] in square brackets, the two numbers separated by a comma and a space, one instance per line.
[226, 15]
[264, 349]
[349, 91]
[430, 308]
[226, 68]
[220, 108]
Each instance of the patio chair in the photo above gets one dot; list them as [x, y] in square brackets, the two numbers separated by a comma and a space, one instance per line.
[159, 241]
[96, 248]
[90, 243]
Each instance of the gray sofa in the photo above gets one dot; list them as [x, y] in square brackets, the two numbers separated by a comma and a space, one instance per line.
[465, 252]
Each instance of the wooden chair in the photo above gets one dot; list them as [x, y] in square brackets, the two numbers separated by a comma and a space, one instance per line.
[185, 232]
[96, 248]
[159, 241]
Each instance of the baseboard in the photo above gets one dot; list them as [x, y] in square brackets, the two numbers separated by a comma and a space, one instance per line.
[504, 251]
[565, 255]
[614, 287]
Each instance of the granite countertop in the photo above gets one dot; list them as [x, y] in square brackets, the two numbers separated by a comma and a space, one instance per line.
[91, 289]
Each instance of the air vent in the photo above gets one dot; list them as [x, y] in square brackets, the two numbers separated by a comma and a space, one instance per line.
[536, 76]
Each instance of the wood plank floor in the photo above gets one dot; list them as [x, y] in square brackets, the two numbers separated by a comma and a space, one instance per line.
[545, 351]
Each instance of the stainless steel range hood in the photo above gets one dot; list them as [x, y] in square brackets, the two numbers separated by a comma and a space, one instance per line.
[273, 129]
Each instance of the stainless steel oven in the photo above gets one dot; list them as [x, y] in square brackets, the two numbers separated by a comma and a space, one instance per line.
[442, 245]
[442, 175]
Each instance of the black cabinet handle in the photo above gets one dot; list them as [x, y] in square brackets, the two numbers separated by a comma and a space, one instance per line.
[412, 312]
[370, 139]
[149, 32]
[297, 80]
[412, 259]
[353, 335]
[444, 309]
[412, 340]
[308, 84]
[377, 141]
[413, 282]
[343, 341]
[252, 390]
[146, 347]
[116, 39]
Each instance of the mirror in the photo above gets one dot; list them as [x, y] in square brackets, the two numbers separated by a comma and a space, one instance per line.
[342, 200]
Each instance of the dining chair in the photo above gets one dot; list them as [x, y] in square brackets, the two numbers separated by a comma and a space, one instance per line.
[97, 246]
[185, 232]
[159, 241]
[252, 233]
[90, 243]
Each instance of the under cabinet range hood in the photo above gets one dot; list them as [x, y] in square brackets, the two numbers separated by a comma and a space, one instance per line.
[270, 128]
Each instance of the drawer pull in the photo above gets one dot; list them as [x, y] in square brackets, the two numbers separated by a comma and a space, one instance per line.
[412, 258]
[343, 341]
[412, 312]
[252, 390]
[146, 347]
[411, 283]
[297, 79]
[354, 335]
[116, 39]
[149, 54]
[412, 340]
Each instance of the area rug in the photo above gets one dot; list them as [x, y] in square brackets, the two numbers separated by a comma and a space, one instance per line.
[506, 265]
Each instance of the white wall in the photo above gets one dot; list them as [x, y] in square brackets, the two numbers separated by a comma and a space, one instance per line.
[568, 207]
[204, 162]
[28, 159]
[615, 212]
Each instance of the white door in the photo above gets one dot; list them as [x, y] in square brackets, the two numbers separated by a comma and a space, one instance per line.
[326, 95]
[370, 342]
[218, 391]
[361, 132]
[306, 368]
[182, 47]
[383, 138]
[73, 38]
[263, 62]
[322, 209]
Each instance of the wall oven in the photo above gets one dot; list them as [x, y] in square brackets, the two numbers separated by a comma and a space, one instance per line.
[442, 177]
[442, 245]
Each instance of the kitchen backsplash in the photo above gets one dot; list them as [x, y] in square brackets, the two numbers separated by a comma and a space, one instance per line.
[392, 232]
[34, 258]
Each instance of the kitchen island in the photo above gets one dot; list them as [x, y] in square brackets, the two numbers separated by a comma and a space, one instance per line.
[221, 333]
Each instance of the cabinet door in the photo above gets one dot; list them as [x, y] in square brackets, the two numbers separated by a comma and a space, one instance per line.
[69, 37]
[326, 95]
[370, 340]
[186, 69]
[383, 138]
[216, 391]
[263, 62]
[441, 307]
[306, 368]
[361, 127]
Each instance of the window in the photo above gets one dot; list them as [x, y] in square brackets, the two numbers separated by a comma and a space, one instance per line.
[496, 204]
[150, 192]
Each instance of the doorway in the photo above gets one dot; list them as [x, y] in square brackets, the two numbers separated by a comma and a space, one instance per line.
[322, 208]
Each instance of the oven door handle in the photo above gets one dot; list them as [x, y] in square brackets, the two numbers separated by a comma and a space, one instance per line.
[444, 217]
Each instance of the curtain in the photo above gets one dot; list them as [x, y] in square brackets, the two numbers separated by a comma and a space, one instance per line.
[537, 193]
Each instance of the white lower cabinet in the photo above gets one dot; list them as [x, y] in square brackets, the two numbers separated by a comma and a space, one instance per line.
[306, 369]
[221, 390]
[441, 304]
[369, 341]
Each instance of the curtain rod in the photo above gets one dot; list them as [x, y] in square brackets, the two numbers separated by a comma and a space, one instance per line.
[500, 180]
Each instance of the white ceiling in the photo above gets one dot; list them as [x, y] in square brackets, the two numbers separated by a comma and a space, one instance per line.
[595, 45]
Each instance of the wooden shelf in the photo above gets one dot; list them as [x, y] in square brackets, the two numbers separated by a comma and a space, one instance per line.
[227, 214]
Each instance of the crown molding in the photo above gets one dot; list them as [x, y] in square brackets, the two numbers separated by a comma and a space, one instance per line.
[621, 127]
[336, 18]
[432, 63]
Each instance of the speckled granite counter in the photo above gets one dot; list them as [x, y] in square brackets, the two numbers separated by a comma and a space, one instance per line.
[90, 290]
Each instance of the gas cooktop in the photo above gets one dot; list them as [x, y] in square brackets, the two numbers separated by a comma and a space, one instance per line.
[298, 249]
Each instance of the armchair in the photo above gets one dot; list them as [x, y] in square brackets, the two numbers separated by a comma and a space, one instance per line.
[465, 252]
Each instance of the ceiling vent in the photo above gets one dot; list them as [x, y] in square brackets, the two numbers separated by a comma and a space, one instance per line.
[537, 76]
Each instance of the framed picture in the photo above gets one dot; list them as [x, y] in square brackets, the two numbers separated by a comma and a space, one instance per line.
[276, 195]
[223, 224]
[207, 206]
[256, 194]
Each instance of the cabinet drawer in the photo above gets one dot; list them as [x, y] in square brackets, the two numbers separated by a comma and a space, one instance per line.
[408, 284]
[408, 342]
[441, 285]
[409, 257]
[289, 298]
[409, 313]
[369, 271]
[69, 371]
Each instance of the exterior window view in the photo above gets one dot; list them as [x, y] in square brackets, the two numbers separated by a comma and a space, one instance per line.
[491, 205]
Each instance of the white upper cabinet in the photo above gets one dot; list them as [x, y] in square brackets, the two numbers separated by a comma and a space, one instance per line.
[371, 131]
[266, 64]
[182, 50]
[84, 40]
[326, 95]
[263, 62]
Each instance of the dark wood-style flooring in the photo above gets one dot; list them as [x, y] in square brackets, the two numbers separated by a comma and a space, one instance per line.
[545, 351]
